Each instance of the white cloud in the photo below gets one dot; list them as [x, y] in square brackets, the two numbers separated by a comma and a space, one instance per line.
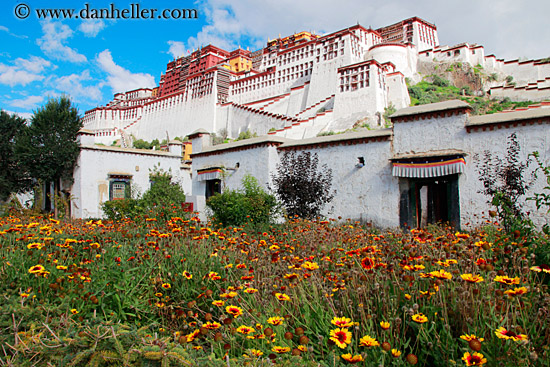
[26, 115]
[120, 79]
[177, 49]
[26, 103]
[24, 71]
[52, 42]
[73, 85]
[7, 30]
[91, 27]
[34, 64]
[505, 28]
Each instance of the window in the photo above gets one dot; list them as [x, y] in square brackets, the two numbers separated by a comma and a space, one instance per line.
[119, 186]
[213, 187]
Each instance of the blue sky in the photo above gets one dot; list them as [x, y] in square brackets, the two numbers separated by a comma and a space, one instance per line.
[90, 60]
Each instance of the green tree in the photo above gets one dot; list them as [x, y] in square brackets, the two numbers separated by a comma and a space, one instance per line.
[13, 176]
[49, 148]
[164, 198]
[251, 204]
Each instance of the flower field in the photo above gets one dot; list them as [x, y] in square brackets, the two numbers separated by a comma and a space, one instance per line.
[323, 293]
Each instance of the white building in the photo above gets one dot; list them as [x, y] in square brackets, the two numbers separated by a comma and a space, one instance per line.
[105, 173]
[422, 170]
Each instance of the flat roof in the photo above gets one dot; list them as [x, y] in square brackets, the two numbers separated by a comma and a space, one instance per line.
[431, 107]
[130, 150]
[338, 138]
[501, 117]
[243, 143]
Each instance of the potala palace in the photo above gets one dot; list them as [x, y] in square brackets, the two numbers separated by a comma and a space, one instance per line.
[418, 169]
[299, 85]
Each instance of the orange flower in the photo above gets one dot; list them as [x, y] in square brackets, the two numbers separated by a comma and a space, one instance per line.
[342, 322]
[212, 325]
[193, 335]
[213, 276]
[419, 318]
[310, 265]
[516, 292]
[229, 295]
[367, 263]
[234, 310]
[282, 297]
[342, 337]
[474, 359]
[218, 303]
[502, 333]
[250, 290]
[396, 353]
[243, 329]
[384, 325]
[441, 274]
[506, 280]
[256, 352]
[37, 269]
[166, 285]
[368, 341]
[351, 358]
[277, 320]
[280, 350]
[472, 278]
[470, 337]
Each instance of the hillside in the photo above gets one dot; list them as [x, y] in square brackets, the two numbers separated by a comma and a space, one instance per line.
[466, 86]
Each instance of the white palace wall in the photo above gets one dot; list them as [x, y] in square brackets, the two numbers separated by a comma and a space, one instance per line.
[372, 193]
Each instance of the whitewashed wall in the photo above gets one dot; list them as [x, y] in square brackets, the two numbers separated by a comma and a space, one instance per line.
[91, 175]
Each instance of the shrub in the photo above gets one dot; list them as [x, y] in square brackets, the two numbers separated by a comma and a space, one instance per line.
[504, 183]
[250, 204]
[300, 186]
[163, 200]
[440, 82]
[120, 209]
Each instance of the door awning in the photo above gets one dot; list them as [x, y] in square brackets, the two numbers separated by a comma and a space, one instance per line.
[209, 174]
[428, 167]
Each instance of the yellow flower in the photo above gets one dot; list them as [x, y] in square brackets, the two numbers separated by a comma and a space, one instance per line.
[342, 322]
[348, 357]
[282, 297]
[280, 350]
[243, 329]
[384, 325]
[441, 274]
[472, 278]
[341, 337]
[310, 265]
[470, 337]
[516, 292]
[256, 352]
[234, 310]
[474, 359]
[396, 353]
[74, 311]
[37, 269]
[419, 318]
[368, 341]
[506, 280]
[277, 320]
[502, 333]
